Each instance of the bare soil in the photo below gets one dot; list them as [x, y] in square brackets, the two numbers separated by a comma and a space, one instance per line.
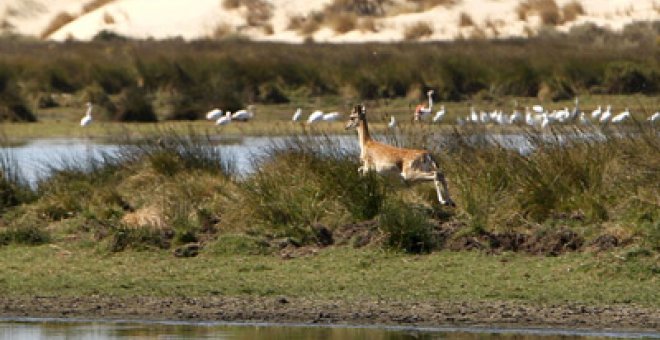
[286, 309]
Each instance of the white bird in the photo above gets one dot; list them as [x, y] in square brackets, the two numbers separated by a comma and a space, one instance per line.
[606, 115]
[583, 119]
[516, 117]
[314, 117]
[474, 117]
[421, 111]
[484, 117]
[297, 115]
[545, 122]
[595, 113]
[621, 116]
[243, 115]
[213, 114]
[224, 120]
[654, 118]
[439, 115]
[537, 108]
[392, 123]
[331, 117]
[88, 116]
[529, 120]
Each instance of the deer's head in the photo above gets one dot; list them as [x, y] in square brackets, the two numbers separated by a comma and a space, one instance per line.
[357, 116]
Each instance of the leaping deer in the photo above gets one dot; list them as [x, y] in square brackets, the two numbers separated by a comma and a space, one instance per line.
[411, 164]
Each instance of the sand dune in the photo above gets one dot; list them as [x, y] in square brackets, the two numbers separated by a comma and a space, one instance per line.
[209, 18]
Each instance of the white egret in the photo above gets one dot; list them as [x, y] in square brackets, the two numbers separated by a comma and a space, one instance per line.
[214, 114]
[654, 118]
[392, 123]
[596, 113]
[88, 116]
[583, 119]
[314, 117]
[297, 115]
[331, 117]
[243, 115]
[224, 120]
[621, 116]
[605, 116]
[537, 108]
[439, 115]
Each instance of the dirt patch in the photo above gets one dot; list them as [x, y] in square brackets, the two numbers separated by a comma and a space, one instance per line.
[289, 309]
[358, 234]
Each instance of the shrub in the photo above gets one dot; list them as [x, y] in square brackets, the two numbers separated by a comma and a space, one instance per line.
[406, 227]
[417, 31]
[134, 106]
[464, 20]
[343, 22]
[547, 10]
[12, 104]
[630, 77]
[59, 21]
[572, 10]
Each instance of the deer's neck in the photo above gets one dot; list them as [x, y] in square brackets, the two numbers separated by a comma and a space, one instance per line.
[363, 134]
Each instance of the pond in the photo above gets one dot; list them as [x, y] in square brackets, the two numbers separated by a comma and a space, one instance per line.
[35, 328]
[36, 158]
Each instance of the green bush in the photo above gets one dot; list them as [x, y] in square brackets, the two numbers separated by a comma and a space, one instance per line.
[135, 106]
[630, 77]
[407, 227]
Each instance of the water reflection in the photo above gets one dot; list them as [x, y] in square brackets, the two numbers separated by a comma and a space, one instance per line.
[56, 329]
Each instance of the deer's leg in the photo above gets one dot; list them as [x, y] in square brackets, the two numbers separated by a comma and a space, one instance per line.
[438, 179]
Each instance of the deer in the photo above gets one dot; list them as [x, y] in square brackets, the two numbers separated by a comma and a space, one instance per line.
[411, 164]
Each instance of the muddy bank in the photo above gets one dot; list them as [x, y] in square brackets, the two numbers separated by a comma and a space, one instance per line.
[286, 309]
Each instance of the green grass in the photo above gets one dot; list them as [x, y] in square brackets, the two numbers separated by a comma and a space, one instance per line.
[336, 273]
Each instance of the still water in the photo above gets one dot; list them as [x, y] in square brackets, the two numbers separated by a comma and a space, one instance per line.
[60, 329]
[37, 158]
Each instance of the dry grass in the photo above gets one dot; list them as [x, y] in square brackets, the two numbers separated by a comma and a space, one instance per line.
[343, 22]
[358, 7]
[145, 217]
[572, 10]
[231, 4]
[59, 21]
[222, 31]
[547, 10]
[94, 5]
[108, 19]
[423, 5]
[418, 31]
[465, 20]
[368, 25]
[306, 25]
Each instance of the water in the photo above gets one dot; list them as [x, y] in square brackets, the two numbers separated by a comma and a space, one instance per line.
[36, 328]
[37, 157]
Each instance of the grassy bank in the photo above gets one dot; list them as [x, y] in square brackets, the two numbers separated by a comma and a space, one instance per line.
[334, 274]
[575, 220]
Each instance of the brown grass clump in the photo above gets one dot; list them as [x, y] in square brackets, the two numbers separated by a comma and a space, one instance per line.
[94, 5]
[108, 19]
[368, 25]
[547, 10]
[58, 22]
[306, 25]
[145, 217]
[231, 4]
[358, 7]
[418, 31]
[572, 10]
[423, 5]
[465, 20]
[222, 31]
[343, 22]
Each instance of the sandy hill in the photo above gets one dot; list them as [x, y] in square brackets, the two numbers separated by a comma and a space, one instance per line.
[321, 20]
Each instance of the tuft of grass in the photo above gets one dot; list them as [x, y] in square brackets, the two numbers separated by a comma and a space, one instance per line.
[417, 31]
[547, 10]
[465, 20]
[406, 227]
[60, 20]
[570, 11]
[343, 22]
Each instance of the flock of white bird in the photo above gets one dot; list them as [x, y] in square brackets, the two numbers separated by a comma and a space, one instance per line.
[537, 116]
